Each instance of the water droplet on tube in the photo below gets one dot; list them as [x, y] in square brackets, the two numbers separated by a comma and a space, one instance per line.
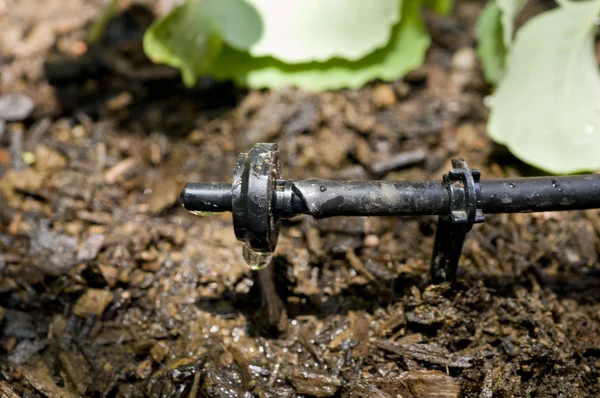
[256, 260]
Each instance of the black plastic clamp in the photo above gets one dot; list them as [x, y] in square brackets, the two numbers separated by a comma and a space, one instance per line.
[465, 193]
[254, 179]
[464, 190]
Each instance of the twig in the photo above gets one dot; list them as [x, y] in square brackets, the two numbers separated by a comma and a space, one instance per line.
[399, 161]
[359, 267]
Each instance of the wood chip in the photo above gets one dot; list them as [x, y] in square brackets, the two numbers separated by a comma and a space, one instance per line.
[39, 377]
[359, 266]
[77, 371]
[109, 273]
[359, 324]
[420, 384]
[115, 173]
[426, 353]
[6, 391]
[48, 159]
[314, 384]
[399, 161]
[364, 389]
[93, 301]
[97, 217]
[337, 341]
[159, 351]
[119, 102]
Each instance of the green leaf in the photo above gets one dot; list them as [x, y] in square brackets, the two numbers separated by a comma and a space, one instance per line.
[491, 48]
[191, 36]
[298, 31]
[443, 7]
[404, 52]
[186, 39]
[510, 9]
[239, 22]
[547, 108]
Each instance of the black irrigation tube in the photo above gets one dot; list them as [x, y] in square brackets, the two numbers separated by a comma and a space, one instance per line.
[258, 198]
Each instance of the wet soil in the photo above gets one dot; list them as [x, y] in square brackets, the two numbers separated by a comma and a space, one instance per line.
[109, 288]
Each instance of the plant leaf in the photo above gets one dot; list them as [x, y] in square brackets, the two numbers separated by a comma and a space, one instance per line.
[405, 51]
[185, 38]
[491, 48]
[510, 9]
[547, 107]
[239, 22]
[442, 7]
[298, 31]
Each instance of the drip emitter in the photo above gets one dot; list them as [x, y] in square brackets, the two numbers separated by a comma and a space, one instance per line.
[258, 198]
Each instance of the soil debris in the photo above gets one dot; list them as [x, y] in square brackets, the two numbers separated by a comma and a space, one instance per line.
[314, 384]
[25, 350]
[40, 378]
[92, 302]
[7, 391]
[426, 384]
[76, 370]
[108, 288]
[398, 161]
[426, 352]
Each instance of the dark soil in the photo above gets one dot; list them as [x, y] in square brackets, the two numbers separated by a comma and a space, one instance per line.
[109, 288]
